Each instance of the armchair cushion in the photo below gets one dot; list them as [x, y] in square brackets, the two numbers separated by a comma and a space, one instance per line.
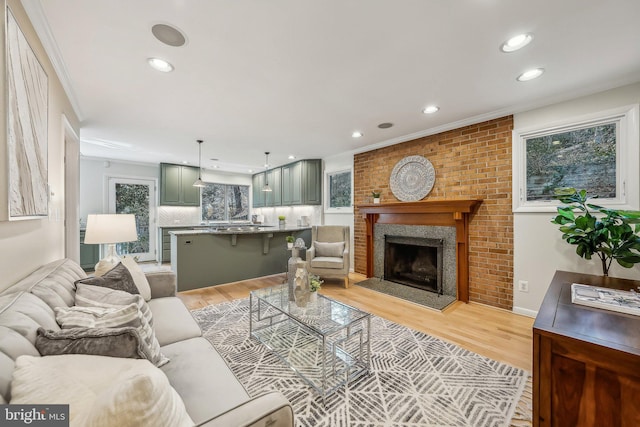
[327, 262]
[328, 249]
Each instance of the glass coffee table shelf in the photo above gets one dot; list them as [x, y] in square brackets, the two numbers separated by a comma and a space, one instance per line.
[327, 343]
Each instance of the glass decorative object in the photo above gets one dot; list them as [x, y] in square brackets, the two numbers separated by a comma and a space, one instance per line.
[301, 284]
[299, 249]
[292, 266]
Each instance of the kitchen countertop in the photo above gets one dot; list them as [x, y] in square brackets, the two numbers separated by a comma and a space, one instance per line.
[186, 225]
[238, 229]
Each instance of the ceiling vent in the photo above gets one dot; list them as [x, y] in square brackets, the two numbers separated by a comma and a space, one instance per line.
[168, 35]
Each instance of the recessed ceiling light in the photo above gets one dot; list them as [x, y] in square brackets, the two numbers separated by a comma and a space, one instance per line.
[250, 170]
[291, 157]
[185, 162]
[357, 134]
[168, 35]
[516, 42]
[431, 109]
[530, 74]
[160, 65]
[386, 125]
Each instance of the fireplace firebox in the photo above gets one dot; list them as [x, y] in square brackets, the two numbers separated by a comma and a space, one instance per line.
[414, 261]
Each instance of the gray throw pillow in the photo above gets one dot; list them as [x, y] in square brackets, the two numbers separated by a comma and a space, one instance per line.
[117, 278]
[334, 249]
[88, 296]
[112, 342]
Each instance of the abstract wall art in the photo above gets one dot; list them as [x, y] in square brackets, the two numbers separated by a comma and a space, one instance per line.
[27, 97]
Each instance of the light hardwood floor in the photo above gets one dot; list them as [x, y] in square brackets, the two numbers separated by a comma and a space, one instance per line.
[492, 332]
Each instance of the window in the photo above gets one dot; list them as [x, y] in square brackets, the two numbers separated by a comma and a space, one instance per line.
[595, 153]
[225, 202]
[338, 194]
[135, 196]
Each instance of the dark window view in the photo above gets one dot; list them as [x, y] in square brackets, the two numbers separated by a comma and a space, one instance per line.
[225, 202]
[580, 158]
[134, 199]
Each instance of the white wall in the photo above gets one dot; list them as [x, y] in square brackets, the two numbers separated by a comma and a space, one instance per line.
[27, 244]
[332, 164]
[94, 174]
[538, 247]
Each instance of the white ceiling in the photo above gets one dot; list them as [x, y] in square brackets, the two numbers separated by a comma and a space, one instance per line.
[299, 76]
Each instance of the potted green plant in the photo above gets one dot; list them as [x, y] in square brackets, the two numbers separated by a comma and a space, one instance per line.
[281, 221]
[314, 286]
[290, 240]
[608, 233]
[376, 196]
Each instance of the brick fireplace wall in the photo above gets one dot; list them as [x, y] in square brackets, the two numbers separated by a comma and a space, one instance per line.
[470, 162]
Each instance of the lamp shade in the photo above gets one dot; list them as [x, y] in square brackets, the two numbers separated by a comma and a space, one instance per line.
[110, 228]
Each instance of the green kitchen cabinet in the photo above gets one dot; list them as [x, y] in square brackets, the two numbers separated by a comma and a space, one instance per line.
[298, 183]
[274, 197]
[89, 254]
[165, 243]
[176, 185]
[257, 183]
[311, 182]
[292, 184]
[263, 199]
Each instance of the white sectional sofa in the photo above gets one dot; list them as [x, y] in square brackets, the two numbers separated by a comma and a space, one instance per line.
[211, 393]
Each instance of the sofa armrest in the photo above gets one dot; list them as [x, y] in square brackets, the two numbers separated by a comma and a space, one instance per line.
[162, 283]
[269, 410]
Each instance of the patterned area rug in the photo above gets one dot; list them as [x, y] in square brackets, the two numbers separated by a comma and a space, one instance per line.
[415, 379]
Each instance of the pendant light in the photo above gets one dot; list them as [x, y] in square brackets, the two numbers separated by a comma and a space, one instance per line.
[266, 187]
[199, 182]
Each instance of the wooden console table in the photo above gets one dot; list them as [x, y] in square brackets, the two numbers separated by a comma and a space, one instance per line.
[586, 361]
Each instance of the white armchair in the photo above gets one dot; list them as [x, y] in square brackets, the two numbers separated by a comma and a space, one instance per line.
[328, 256]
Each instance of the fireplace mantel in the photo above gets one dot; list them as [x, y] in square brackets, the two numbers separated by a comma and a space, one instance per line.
[452, 213]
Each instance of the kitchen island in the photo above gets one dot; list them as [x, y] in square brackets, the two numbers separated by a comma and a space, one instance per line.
[216, 255]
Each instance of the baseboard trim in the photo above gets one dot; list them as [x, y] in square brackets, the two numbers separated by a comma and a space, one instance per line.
[525, 312]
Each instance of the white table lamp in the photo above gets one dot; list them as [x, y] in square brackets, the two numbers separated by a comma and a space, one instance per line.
[110, 229]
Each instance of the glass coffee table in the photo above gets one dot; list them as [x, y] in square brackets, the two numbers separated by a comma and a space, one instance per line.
[327, 343]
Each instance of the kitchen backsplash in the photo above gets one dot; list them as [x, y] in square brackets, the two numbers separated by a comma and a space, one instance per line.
[179, 215]
[291, 213]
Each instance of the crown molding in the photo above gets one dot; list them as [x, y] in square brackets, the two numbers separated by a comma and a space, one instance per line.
[507, 111]
[40, 24]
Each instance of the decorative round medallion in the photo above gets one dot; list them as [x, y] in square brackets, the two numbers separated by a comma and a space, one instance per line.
[412, 178]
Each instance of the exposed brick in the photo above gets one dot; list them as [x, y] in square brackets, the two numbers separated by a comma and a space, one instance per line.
[470, 162]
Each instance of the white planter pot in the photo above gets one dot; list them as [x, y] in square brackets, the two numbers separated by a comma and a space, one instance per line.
[376, 200]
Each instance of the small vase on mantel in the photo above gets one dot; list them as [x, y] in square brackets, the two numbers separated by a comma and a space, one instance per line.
[376, 196]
